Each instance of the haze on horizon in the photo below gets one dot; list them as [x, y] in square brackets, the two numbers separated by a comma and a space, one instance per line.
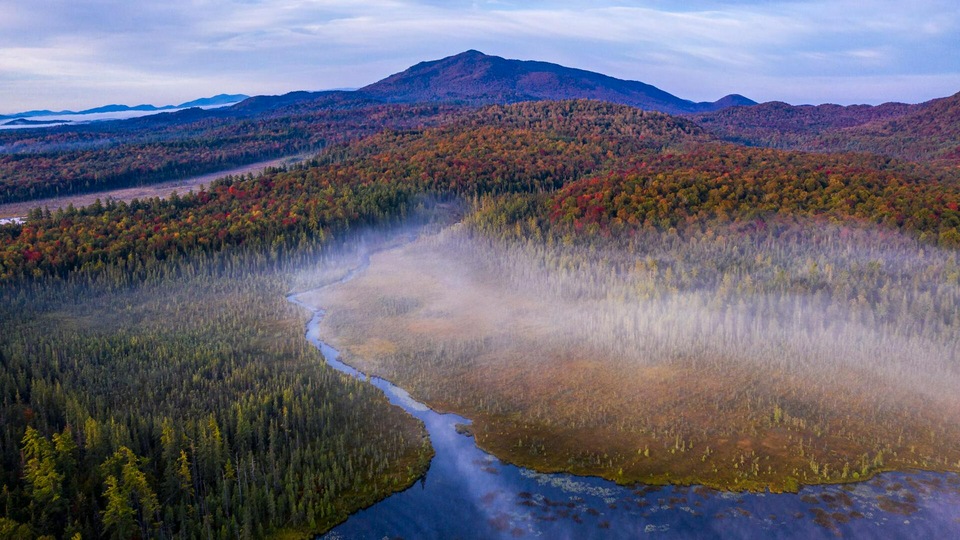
[61, 54]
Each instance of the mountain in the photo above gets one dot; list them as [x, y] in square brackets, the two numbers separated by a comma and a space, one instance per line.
[218, 100]
[470, 77]
[27, 122]
[475, 78]
[121, 108]
[924, 131]
[780, 124]
[326, 100]
[928, 131]
[215, 101]
[28, 114]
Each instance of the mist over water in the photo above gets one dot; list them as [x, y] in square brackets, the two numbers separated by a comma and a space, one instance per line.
[627, 315]
[803, 353]
[817, 303]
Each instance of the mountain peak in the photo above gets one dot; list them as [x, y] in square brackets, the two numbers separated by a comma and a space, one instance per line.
[733, 100]
[477, 78]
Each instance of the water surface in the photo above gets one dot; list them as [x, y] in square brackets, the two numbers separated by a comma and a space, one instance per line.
[468, 493]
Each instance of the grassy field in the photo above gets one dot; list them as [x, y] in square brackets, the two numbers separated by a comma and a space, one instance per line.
[747, 362]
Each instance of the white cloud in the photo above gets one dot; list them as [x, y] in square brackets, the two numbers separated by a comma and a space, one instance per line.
[702, 50]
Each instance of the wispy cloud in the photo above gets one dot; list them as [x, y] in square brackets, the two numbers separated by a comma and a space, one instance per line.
[86, 53]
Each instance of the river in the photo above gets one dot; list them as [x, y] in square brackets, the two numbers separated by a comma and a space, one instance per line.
[468, 493]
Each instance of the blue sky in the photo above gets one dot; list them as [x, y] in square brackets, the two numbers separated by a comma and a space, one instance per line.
[85, 53]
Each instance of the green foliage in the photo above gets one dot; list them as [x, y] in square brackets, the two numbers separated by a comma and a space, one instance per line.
[11, 530]
[184, 406]
[130, 500]
[43, 482]
[118, 518]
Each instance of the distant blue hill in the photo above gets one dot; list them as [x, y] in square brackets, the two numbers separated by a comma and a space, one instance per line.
[26, 122]
[220, 99]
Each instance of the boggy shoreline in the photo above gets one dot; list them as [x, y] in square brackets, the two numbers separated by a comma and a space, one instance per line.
[494, 513]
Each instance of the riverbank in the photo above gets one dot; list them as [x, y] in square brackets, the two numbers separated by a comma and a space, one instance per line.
[469, 493]
[598, 386]
[411, 470]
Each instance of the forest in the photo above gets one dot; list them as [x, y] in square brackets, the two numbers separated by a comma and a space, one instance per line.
[187, 405]
[156, 382]
[97, 157]
[926, 132]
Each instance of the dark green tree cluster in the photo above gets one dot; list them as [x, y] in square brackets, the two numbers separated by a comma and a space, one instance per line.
[185, 408]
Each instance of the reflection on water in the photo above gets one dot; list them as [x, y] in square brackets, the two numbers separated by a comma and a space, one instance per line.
[468, 493]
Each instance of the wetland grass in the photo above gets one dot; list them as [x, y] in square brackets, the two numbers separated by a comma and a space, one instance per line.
[824, 355]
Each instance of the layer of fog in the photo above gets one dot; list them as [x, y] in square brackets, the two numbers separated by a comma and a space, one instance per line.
[351, 250]
[822, 302]
[54, 120]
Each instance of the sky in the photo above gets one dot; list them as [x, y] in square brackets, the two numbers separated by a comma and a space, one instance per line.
[74, 54]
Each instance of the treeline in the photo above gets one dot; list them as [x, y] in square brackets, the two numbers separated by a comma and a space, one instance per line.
[69, 160]
[781, 125]
[122, 154]
[526, 148]
[925, 132]
[719, 183]
[929, 133]
[661, 173]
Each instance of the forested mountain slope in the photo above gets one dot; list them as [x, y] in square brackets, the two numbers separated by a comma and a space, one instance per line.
[40, 163]
[928, 132]
[924, 132]
[524, 147]
[781, 125]
[477, 78]
[97, 157]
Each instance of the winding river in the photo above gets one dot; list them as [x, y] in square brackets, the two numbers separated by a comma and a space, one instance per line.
[468, 493]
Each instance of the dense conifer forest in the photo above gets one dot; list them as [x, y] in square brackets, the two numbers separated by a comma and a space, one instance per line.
[155, 382]
[185, 405]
